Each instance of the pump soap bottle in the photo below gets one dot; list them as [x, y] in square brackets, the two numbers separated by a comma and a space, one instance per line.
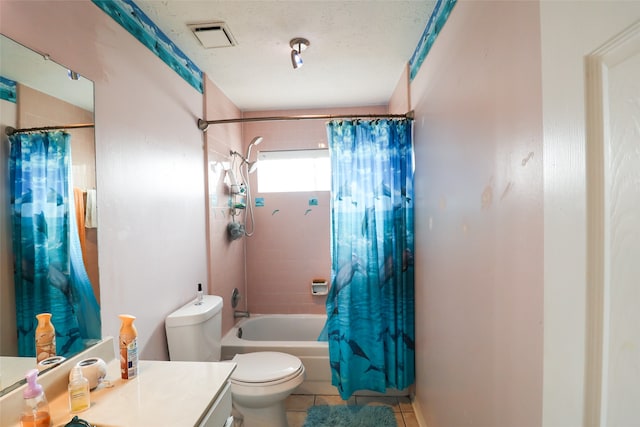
[79, 398]
[35, 412]
[128, 347]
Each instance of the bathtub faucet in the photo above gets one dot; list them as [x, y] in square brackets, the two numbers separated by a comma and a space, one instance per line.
[240, 313]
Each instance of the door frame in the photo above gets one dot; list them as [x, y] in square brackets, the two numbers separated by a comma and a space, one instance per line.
[597, 65]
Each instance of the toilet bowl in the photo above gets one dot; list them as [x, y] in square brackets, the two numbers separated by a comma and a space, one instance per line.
[260, 384]
[261, 381]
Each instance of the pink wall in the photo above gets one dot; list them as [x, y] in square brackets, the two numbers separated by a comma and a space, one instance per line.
[226, 258]
[400, 101]
[291, 246]
[479, 219]
[149, 161]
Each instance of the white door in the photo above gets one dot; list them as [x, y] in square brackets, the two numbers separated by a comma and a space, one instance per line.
[613, 232]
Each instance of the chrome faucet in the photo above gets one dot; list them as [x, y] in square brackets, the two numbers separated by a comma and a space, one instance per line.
[240, 313]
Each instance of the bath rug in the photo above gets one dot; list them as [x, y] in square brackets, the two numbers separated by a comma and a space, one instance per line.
[349, 416]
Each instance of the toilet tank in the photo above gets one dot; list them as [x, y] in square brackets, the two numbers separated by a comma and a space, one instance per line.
[194, 331]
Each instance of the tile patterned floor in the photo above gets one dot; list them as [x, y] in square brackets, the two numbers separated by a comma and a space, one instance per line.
[297, 405]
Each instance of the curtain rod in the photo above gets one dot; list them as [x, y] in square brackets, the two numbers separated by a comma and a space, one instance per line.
[11, 130]
[204, 124]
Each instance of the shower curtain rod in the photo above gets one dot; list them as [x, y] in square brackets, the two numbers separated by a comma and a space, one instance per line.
[204, 124]
[11, 130]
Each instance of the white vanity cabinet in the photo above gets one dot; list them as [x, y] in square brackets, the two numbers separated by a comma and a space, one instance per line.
[180, 394]
[219, 415]
[176, 394]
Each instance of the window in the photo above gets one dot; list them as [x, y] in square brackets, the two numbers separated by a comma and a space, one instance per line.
[294, 170]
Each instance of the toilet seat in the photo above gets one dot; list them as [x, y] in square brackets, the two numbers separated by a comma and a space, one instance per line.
[265, 368]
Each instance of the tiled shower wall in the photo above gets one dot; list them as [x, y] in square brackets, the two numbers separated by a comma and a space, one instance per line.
[291, 244]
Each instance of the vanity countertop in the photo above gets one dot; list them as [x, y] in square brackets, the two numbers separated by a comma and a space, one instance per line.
[163, 394]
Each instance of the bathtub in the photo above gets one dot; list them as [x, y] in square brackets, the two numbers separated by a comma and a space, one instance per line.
[296, 334]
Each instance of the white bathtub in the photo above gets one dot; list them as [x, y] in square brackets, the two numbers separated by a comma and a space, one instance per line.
[296, 334]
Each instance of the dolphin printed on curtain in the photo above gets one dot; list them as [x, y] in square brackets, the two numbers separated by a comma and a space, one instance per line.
[49, 273]
[370, 305]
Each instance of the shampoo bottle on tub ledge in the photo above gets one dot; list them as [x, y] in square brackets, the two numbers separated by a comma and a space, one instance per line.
[128, 347]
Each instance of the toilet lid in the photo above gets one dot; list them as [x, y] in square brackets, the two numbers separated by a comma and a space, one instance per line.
[264, 366]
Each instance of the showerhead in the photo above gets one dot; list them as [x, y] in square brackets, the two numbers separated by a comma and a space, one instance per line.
[257, 140]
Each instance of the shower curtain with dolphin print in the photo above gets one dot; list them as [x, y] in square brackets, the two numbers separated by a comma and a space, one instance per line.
[49, 274]
[370, 305]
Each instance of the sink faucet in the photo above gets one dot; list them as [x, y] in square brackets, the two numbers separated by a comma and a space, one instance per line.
[240, 313]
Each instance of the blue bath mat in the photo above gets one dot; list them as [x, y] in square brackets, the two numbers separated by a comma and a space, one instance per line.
[350, 416]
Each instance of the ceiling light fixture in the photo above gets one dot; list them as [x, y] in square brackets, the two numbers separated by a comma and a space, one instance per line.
[297, 46]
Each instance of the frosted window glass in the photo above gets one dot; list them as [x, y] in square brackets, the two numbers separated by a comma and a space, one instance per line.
[294, 170]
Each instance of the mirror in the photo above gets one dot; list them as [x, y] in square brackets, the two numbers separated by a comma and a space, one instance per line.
[36, 92]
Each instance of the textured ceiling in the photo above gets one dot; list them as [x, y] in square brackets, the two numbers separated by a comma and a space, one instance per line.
[357, 54]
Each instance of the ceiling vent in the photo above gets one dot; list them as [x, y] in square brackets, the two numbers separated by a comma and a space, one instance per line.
[213, 35]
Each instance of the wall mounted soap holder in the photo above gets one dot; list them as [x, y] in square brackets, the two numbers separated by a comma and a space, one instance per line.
[319, 287]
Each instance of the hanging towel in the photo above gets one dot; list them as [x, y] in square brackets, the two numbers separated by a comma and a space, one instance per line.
[78, 196]
[91, 215]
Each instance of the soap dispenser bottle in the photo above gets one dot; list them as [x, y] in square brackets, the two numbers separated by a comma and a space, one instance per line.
[128, 347]
[79, 398]
[35, 412]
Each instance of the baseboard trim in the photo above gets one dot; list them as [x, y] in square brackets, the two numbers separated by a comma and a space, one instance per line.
[417, 410]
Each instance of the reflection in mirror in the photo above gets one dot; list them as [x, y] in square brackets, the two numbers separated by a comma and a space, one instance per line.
[36, 92]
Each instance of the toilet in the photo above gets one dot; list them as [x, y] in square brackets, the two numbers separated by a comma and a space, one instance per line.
[261, 381]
